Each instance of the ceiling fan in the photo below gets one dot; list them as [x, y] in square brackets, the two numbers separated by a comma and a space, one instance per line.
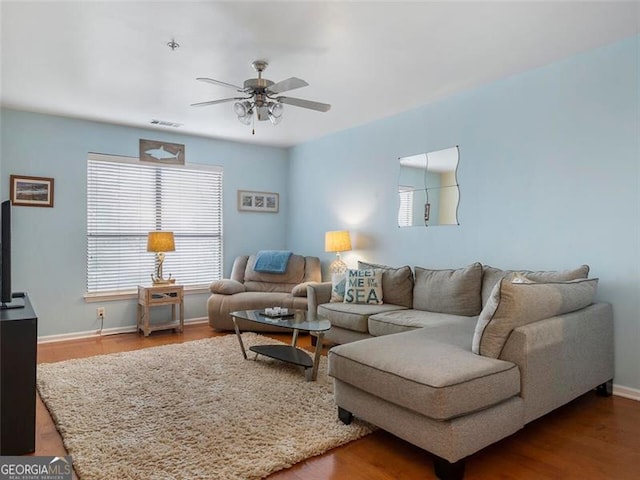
[261, 97]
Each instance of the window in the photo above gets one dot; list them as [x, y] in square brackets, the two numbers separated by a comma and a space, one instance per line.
[126, 199]
[405, 212]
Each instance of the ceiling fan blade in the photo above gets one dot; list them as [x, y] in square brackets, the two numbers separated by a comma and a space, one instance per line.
[286, 85]
[298, 102]
[222, 84]
[215, 102]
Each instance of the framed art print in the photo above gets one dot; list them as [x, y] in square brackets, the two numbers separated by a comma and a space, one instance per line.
[248, 201]
[31, 191]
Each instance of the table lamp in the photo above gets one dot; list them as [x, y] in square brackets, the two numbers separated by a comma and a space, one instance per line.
[160, 242]
[337, 241]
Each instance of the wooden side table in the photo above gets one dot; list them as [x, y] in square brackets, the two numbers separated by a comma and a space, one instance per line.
[155, 296]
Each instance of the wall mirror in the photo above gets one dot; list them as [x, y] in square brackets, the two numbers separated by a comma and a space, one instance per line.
[428, 189]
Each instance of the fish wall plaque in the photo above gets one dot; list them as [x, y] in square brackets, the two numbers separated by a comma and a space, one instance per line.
[161, 152]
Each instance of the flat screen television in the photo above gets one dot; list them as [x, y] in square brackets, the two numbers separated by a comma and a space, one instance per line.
[8, 298]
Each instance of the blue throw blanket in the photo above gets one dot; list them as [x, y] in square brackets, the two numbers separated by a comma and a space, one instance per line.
[272, 261]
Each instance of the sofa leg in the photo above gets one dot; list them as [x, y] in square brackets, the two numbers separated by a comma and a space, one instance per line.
[605, 389]
[345, 416]
[446, 470]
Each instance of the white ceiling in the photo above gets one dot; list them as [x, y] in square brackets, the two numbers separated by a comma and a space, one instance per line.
[109, 61]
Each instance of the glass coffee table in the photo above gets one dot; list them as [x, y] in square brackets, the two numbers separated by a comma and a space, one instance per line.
[298, 321]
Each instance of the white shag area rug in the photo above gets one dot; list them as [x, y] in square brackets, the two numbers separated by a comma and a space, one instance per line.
[196, 410]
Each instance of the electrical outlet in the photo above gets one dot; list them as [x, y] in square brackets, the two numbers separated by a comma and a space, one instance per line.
[100, 312]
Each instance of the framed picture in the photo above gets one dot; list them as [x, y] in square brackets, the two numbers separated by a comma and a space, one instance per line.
[258, 201]
[31, 191]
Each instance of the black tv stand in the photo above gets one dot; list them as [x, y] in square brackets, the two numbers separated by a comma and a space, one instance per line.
[18, 356]
[16, 302]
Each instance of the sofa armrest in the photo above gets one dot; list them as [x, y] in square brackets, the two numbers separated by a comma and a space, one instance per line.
[226, 287]
[562, 357]
[317, 294]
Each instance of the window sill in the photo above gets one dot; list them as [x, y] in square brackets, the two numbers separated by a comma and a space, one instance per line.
[132, 294]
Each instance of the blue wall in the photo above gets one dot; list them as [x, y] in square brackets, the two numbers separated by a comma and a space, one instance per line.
[548, 174]
[549, 177]
[49, 245]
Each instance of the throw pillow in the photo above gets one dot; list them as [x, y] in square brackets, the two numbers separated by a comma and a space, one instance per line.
[338, 281]
[512, 305]
[456, 292]
[363, 286]
[491, 276]
[397, 283]
[226, 287]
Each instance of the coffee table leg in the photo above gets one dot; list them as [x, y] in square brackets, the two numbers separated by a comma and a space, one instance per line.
[235, 326]
[294, 339]
[316, 356]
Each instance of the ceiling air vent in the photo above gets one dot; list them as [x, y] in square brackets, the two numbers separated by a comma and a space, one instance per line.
[164, 123]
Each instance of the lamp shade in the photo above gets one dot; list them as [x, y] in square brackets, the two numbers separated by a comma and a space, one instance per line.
[160, 242]
[337, 241]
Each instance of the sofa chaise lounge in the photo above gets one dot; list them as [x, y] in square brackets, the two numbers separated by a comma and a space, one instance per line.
[465, 358]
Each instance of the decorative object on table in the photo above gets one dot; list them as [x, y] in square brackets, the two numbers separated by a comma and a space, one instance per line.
[337, 241]
[160, 242]
[261, 97]
[258, 201]
[161, 152]
[277, 312]
[194, 436]
[272, 261]
[31, 191]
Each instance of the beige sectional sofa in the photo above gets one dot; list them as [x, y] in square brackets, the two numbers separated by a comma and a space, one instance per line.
[466, 357]
[248, 289]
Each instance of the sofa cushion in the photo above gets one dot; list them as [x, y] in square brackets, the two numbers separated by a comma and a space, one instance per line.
[456, 292]
[404, 320]
[353, 316]
[435, 379]
[512, 305]
[363, 286]
[492, 275]
[226, 287]
[275, 282]
[397, 283]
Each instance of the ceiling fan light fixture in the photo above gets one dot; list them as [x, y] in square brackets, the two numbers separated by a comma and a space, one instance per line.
[262, 113]
[246, 119]
[241, 109]
[275, 112]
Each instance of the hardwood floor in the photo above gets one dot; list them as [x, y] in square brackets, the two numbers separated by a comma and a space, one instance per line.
[590, 438]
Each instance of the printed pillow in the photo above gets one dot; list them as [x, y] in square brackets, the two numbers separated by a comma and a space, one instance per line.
[363, 286]
[397, 283]
[338, 281]
[456, 292]
[512, 305]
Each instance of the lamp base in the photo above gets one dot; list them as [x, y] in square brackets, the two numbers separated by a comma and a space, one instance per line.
[162, 281]
[338, 266]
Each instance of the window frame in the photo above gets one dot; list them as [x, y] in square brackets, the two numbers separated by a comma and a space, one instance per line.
[99, 296]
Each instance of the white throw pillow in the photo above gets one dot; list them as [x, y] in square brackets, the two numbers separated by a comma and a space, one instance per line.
[363, 286]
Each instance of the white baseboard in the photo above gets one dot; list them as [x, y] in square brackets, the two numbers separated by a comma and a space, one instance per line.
[62, 337]
[626, 392]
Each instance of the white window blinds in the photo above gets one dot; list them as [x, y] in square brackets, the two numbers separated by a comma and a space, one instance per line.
[127, 199]
[405, 212]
